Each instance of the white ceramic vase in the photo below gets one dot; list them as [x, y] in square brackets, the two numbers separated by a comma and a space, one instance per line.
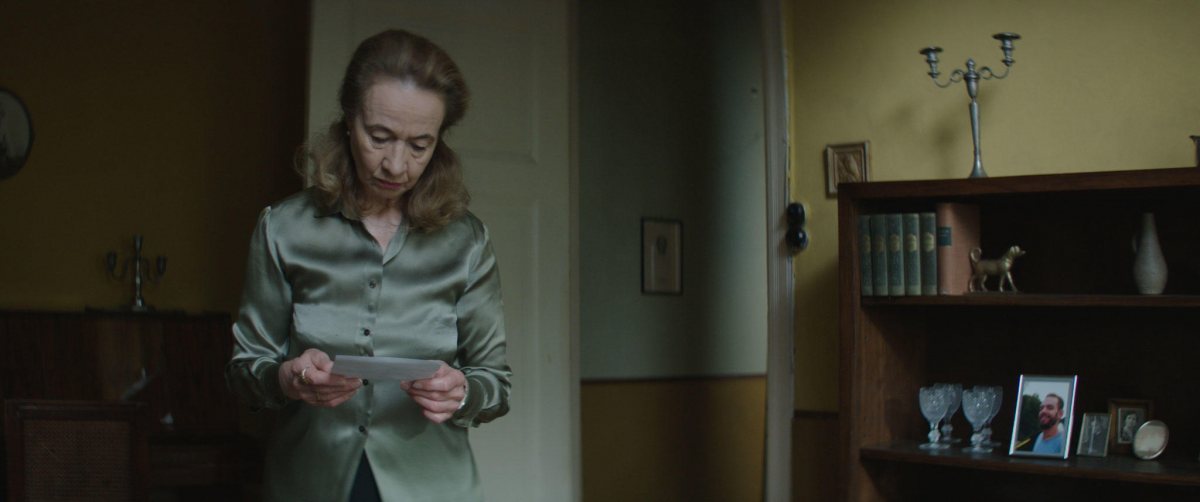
[1149, 267]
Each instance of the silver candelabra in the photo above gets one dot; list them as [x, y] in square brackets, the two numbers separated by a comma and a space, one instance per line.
[972, 77]
[141, 272]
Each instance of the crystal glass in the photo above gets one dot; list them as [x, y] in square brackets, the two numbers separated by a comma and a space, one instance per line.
[934, 403]
[998, 401]
[977, 404]
[954, 394]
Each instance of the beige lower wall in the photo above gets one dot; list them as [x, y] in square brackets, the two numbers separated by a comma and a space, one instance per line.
[673, 440]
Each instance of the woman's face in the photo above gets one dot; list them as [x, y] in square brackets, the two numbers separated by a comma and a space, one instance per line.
[393, 138]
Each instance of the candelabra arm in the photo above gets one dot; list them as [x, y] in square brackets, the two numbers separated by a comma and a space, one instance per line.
[986, 73]
[955, 77]
[110, 264]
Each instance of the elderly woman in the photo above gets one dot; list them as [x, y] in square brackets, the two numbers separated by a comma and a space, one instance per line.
[380, 257]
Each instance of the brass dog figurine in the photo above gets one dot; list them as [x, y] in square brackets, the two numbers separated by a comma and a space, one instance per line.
[1001, 266]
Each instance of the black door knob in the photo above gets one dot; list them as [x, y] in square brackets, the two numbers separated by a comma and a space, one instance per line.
[796, 237]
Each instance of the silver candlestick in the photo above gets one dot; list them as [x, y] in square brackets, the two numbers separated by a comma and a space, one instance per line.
[141, 272]
[972, 77]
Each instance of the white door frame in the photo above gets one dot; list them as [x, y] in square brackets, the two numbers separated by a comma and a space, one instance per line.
[777, 471]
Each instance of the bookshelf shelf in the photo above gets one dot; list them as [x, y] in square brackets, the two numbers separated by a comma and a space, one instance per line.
[1173, 471]
[1038, 300]
[1078, 314]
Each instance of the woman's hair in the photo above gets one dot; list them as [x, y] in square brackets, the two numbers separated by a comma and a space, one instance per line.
[439, 196]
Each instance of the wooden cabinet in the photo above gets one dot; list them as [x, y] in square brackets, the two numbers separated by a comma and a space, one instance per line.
[172, 362]
[1078, 313]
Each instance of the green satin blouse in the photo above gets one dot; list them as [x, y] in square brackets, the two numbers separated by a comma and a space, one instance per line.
[317, 279]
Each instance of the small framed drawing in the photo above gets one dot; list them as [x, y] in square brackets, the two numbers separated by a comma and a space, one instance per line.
[1093, 435]
[1042, 423]
[1126, 416]
[662, 256]
[845, 163]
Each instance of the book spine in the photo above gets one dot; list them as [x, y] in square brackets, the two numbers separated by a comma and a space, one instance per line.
[912, 254]
[879, 264]
[895, 254]
[929, 264]
[864, 255]
[957, 234]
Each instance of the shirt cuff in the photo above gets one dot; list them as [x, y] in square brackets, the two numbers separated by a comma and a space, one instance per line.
[465, 416]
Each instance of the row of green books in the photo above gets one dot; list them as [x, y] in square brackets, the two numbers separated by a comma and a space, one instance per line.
[918, 254]
[898, 254]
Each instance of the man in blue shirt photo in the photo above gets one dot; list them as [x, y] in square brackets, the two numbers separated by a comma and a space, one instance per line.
[1051, 440]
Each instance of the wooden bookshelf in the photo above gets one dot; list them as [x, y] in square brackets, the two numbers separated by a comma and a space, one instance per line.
[1078, 314]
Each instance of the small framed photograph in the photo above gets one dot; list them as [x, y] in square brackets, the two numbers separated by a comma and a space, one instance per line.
[1093, 435]
[662, 256]
[1126, 416]
[845, 163]
[1042, 423]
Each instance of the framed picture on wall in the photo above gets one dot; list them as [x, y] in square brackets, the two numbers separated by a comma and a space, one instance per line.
[662, 256]
[845, 163]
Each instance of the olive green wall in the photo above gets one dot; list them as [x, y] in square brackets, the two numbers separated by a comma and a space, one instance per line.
[671, 126]
[1097, 85]
[177, 120]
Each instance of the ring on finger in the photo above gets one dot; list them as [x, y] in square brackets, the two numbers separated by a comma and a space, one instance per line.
[304, 376]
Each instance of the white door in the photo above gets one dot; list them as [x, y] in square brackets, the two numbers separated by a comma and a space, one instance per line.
[514, 146]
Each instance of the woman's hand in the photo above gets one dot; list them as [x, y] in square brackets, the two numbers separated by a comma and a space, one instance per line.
[307, 378]
[439, 395]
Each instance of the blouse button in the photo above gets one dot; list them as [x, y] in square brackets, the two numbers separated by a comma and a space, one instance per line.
[362, 429]
[371, 284]
[366, 382]
[366, 332]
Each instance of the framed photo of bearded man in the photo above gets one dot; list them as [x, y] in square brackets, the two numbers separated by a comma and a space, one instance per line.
[1042, 423]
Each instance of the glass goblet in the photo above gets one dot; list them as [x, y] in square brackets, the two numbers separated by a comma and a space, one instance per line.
[933, 401]
[977, 405]
[998, 401]
[954, 394]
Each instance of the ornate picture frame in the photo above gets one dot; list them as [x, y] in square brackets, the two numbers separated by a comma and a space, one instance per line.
[844, 163]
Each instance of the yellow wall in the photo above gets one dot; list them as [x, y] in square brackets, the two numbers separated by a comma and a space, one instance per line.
[177, 120]
[1097, 85]
[673, 440]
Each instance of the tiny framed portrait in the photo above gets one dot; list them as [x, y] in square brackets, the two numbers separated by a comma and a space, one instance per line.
[662, 256]
[1093, 435]
[1042, 422]
[1126, 416]
[845, 163]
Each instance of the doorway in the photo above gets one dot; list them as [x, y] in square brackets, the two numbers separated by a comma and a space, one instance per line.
[671, 128]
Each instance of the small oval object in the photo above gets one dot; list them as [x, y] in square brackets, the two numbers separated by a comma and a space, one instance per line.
[1150, 440]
